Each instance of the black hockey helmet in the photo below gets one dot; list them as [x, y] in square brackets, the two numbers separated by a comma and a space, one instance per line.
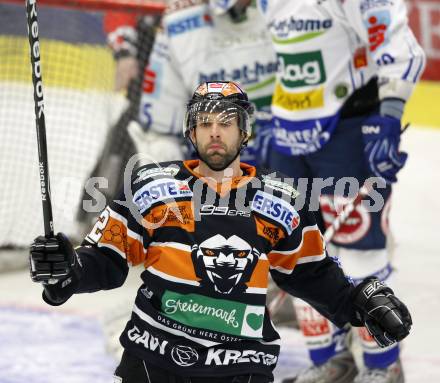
[225, 99]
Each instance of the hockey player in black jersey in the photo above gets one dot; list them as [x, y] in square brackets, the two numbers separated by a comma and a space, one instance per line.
[209, 232]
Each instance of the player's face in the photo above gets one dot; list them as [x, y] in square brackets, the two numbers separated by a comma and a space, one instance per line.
[218, 138]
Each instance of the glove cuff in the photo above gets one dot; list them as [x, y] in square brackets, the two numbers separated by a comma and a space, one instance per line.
[392, 107]
[394, 88]
[58, 293]
[53, 299]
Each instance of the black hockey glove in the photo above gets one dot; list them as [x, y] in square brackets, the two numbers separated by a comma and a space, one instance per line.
[55, 264]
[386, 318]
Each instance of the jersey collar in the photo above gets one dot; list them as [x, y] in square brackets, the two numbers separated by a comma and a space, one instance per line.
[223, 188]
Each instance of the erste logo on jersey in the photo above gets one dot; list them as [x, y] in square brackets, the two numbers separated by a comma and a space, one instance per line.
[190, 23]
[276, 209]
[160, 190]
[378, 24]
[152, 80]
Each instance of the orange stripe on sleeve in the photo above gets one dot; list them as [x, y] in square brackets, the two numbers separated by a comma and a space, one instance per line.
[311, 245]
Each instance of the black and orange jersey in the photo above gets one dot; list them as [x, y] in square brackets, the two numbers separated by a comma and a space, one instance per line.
[208, 250]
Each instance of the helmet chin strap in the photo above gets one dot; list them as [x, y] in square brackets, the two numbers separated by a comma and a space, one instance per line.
[242, 146]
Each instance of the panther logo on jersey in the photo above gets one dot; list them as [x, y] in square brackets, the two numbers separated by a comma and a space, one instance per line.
[224, 264]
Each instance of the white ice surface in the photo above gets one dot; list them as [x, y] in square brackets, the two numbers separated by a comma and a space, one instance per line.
[33, 335]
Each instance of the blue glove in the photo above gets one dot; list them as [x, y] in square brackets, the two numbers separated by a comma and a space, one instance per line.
[381, 136]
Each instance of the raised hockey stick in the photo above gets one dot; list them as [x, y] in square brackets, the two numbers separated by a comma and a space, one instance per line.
[330, 232]
[43, 163]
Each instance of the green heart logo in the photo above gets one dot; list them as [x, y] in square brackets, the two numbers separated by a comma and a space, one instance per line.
[255, 321]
